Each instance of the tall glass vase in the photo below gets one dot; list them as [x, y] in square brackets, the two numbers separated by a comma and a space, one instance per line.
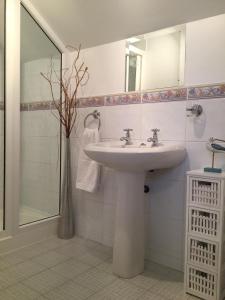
[66, 226]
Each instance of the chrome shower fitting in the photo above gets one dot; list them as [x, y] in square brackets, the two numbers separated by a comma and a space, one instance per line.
[196, 110]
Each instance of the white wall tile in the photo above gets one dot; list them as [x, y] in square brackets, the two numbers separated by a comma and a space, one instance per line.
[161, 256]
[210, 124]
[167, 198]
[168, 117]
[165, 233]
[117, 118]
[108, 184]
[94, 220]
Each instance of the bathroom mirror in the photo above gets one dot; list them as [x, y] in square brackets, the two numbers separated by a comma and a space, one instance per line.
[156, 59]
[40, 130]
[2, 114]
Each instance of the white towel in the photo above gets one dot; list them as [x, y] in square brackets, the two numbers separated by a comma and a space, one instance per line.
[88, 171]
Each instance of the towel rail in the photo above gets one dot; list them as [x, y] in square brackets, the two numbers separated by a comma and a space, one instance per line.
[96, 115]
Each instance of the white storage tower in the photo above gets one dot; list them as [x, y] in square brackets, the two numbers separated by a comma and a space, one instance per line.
[205, 236]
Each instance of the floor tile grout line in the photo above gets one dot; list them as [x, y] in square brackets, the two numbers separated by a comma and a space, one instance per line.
[48, 290]
[73, 281]
[8, 287]
[67, 279]
[59, 286]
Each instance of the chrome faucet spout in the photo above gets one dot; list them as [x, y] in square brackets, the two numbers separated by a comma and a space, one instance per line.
[154, 139]
[127, 138]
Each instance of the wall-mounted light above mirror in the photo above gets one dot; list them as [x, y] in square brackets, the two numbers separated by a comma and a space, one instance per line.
[156, 60]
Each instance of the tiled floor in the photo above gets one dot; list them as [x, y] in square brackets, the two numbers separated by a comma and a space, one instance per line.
[78, 269]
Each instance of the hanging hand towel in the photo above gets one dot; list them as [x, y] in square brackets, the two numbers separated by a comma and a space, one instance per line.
[88, 171]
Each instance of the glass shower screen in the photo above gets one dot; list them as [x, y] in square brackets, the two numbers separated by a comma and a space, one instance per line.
[40, 130]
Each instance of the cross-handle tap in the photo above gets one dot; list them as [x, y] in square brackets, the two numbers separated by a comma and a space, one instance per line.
[154, 139]
[127, 138]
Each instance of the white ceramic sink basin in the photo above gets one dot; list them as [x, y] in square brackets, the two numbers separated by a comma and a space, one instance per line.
[137, 157]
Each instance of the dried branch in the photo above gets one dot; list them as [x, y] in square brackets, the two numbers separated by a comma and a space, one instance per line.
[69, 82]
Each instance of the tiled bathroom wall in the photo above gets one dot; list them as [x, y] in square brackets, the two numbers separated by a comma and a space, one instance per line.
[205, 64]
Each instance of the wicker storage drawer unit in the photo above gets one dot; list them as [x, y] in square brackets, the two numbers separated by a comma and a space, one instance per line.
[205, 239]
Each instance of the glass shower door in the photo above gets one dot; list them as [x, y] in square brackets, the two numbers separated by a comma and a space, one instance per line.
[40, 130]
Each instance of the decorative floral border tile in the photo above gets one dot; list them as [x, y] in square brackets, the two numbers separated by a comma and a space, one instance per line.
[165, 95]
[123, 99]
[24, 106]
[91, 101]
[207, 92]
[44, 105]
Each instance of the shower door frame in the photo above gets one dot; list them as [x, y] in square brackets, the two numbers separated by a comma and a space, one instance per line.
[15, 235]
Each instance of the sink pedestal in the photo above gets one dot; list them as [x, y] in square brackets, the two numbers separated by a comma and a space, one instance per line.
[129, 243]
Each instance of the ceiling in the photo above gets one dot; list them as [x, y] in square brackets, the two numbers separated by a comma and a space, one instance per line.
[94, 22]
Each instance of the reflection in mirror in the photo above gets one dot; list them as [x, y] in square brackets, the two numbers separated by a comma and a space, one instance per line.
[40, 130]
[2, 93]
[156, 60]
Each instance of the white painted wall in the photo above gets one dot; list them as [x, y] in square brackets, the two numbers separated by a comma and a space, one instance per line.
[205, 55]
[95, 213]
[106, 65]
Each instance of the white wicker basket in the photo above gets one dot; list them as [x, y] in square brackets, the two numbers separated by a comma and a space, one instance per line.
[204, 222]
[201, 283]
[205, 192]
[202, 252]
[205, 238]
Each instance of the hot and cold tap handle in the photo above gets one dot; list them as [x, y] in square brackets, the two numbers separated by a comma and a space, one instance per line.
[127, 130]
[155, 130]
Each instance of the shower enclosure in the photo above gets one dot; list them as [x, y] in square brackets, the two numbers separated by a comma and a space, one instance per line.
[40, 130]
[30, 134]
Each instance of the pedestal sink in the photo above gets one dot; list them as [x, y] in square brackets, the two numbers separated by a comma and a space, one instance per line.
[131, 164]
